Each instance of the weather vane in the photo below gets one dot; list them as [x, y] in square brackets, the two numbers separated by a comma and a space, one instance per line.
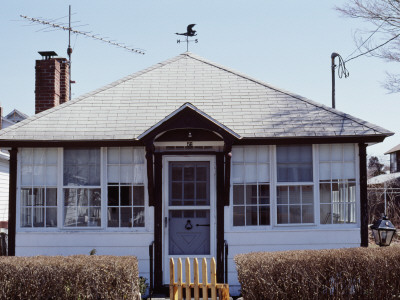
[189, 33]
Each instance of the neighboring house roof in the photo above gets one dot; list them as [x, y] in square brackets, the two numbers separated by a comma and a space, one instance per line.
[16, 116]
[395, 149]
[380, 179]
[128, 108]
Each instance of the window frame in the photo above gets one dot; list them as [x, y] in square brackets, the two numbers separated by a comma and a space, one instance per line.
[312, 183]
[145, 196]
[258, 184]
[20, 187]
[357, 191]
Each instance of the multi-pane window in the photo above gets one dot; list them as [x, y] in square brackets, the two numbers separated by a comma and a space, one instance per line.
[125, 177]
[250, 177]
[295, 198]
[38, 187]
[82, 191]
[337, 184]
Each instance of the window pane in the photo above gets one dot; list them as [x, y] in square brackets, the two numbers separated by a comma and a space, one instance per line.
[263, 193]
[238, 216]
[113, 217]
[38, 175]
[294, 194]
[113, 174]
[27, 156]
[138, 217]
[325, 192]
[294, 214]
[51, 156]
[237, 154]
[113, 196]
[264, 215]
[336, 170]
[176, 191]
[38, 197]
[83, 217]
[238, 173]
[26, 217]
[324, 171]
[138, 155]
[324, 152]
[251, 215]
[188, 173]
[336, 152]
[326, 214]
[82, 166]
[126, 216]
[138, 174]
[282, 194]
[263, 172]
[251, 173]
[26, 175]
[39, 156]
[349, 170]
[348, 151]
[51, 197]
[250, 154]
[238, 194]
[201, 173]
[201, 191]
[176, 173]
[282, 214]
[308, 214]
[51, 175]
[126, 195]
[126, 155]
[188, 190]
[138, 195]
[251, 194]
[125, 174]
[294, 163]
[26, 197]
[38, 217]
[307, 194]
[95, 197]
[113, 155]
[51, 217]
[263, 154]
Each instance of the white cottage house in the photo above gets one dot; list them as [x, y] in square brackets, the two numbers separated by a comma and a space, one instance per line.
[192, 159]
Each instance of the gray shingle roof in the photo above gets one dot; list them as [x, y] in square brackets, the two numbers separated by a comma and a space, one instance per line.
[127, 108]
[394, 149]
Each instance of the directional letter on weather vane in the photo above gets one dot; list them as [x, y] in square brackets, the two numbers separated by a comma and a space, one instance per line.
[189, 33]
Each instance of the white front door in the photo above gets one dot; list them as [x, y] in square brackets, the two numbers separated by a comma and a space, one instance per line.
[189, 208]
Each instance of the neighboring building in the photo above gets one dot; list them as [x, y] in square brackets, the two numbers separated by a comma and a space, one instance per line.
[394, 159]
[12, 118]
[192, 156]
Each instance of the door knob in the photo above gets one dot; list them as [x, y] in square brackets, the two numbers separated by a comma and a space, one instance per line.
[188, 225]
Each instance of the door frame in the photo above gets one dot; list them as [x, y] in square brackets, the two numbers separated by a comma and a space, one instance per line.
[166, 159]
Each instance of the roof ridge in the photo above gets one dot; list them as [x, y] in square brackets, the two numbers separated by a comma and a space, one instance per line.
[311, 102]
[92, 93]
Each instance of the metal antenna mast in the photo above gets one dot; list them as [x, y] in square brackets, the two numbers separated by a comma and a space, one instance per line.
[69, 51]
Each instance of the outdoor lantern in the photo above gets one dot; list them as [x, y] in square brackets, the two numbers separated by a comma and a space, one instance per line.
[383, 231]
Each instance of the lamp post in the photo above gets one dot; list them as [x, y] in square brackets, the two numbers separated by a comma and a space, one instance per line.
[383, 231]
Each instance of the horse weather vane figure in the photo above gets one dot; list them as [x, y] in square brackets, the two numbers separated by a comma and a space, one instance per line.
[189, 33]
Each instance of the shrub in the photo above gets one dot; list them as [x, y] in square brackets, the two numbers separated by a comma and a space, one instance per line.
[69, 277]
[354, 273]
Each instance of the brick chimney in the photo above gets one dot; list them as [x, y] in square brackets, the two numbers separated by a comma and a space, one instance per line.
[52, 81]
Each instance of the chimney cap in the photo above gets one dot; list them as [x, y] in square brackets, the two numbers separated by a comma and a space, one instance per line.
[47, 54]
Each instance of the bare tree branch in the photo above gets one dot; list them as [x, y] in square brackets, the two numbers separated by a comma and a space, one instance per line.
[383, 41]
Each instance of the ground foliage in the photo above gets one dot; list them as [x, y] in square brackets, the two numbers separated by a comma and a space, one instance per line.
[353, 273]
[70, 277]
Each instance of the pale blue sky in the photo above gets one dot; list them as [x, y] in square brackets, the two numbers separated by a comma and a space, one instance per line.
[284, 43]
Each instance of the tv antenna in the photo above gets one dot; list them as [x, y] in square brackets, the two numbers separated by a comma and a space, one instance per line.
[60, 26]
[189, 33]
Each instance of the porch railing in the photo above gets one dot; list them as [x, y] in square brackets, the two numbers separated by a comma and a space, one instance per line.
[176, 288]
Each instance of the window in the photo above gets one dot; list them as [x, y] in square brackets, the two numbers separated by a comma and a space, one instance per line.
[38, 187]
[337, 184]
[295, 197]
[125, 177]
[250, 177]
[394, 162]
[82, 192]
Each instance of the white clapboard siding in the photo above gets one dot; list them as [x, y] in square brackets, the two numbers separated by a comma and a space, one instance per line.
[4, 180]
[79, 242]
[286, 239]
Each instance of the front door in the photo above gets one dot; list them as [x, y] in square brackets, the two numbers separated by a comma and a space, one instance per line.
[189, 213]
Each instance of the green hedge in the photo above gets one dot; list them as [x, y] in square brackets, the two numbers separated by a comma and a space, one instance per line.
[69, 277]
[353, 273]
